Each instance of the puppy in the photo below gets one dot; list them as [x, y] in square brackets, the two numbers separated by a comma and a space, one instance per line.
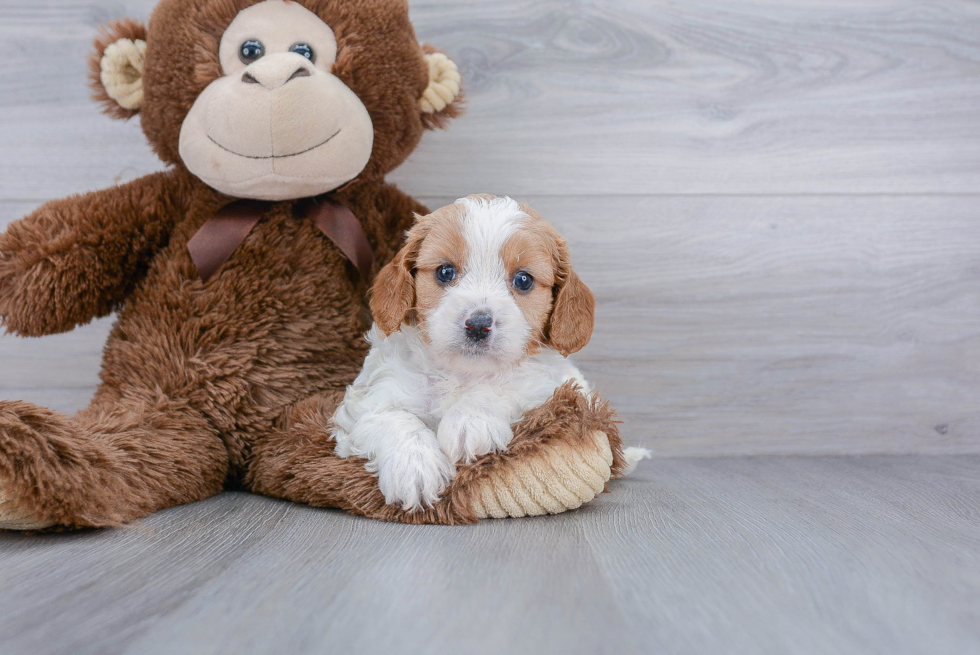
[473, 320]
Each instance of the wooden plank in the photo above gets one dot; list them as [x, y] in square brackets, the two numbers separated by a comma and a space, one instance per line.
[496, 587]
[649, 96]
[95, 592]
[255, 575]
[53, 138]
[821, 555]
[737, 325]
[631, 97]
[736, 555]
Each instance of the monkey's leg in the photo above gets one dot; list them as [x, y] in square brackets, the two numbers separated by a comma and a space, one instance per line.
[562, 455]
[107, 465]
[297, 462]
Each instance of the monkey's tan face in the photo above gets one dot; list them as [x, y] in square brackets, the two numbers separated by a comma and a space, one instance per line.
[278, 125]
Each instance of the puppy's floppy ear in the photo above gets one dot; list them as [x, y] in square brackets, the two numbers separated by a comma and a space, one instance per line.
[573, 315]
[116, 68]
[442, 99]
[393, 292]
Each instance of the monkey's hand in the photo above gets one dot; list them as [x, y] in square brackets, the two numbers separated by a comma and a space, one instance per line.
[75, 259]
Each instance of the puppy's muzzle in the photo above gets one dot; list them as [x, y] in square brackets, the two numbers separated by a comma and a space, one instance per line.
[478, 326]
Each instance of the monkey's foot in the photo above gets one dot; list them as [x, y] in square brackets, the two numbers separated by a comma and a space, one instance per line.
[12, 518]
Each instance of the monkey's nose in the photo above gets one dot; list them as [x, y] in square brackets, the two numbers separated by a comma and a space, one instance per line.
[478, 326]
[248, 78]
[274, 71]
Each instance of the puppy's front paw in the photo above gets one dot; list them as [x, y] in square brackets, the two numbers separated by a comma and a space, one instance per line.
[413, 474]
[465, 435]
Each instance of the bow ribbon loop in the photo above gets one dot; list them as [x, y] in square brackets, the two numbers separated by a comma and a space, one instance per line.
[221, 235]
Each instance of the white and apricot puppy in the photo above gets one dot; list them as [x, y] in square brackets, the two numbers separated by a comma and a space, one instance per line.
[473, 321]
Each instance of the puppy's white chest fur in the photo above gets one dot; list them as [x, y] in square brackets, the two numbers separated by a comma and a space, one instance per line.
[407, 413]
[439, 389]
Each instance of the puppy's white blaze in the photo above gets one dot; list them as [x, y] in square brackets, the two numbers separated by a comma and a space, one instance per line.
[487, 226]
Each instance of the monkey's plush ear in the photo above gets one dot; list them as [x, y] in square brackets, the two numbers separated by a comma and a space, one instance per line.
[443, 98]
[116, 68]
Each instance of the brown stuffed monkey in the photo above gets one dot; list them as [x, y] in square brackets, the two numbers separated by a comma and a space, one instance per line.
[240, 276]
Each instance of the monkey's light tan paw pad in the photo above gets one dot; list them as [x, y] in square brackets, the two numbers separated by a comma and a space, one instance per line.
[13, 519]
[565, 477]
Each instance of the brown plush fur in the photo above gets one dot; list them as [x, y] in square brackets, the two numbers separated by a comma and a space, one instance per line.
[283, 320]
[229, 381]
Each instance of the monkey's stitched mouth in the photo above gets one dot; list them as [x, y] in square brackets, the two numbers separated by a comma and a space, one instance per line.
[295, 154]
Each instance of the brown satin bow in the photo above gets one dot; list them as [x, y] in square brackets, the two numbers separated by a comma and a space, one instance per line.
[217, 239]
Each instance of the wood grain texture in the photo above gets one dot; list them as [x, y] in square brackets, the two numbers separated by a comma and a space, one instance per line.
[567, 96]
[824, 555]
[758, 555]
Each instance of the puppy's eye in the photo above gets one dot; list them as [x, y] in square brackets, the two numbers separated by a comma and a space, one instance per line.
[250, 51]
[445, 274]
[523, 281]
[305, 50]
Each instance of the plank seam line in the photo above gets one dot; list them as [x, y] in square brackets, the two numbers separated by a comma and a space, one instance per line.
[868, 194]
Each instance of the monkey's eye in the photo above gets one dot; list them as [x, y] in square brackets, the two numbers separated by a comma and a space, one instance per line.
[251, 50]
[523, 281]
[305, 50]
[445, 274]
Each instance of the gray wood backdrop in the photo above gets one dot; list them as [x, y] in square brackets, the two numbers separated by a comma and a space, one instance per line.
[777, 203]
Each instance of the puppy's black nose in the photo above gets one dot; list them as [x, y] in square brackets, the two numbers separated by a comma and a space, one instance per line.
[478, 326]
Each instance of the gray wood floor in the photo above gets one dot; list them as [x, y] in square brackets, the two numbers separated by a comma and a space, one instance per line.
[778, 206]
[732, 555]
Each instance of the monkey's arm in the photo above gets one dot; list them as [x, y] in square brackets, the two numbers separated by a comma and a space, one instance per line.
[78, 258]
